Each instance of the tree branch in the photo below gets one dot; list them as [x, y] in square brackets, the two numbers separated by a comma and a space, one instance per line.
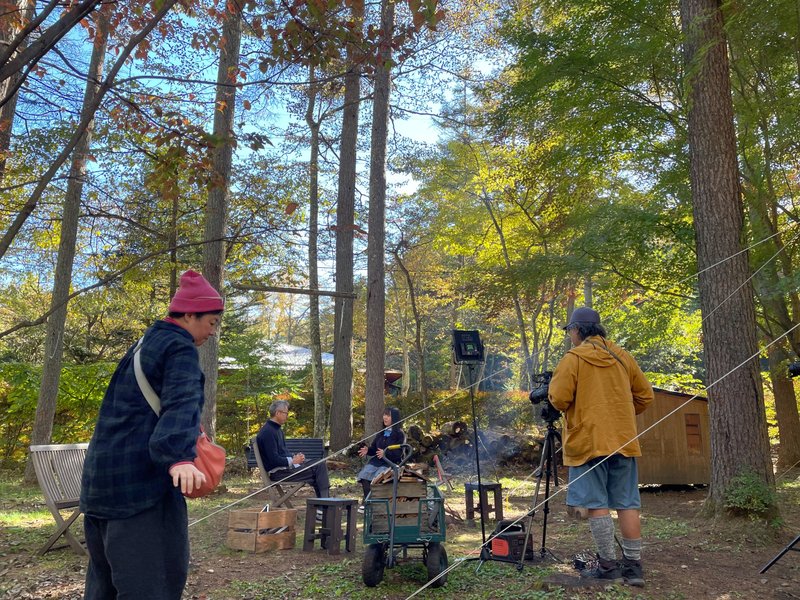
[30, 205]
[254, 287]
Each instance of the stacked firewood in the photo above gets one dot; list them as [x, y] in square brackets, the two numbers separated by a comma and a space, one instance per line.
[411, 489]
[454, 442]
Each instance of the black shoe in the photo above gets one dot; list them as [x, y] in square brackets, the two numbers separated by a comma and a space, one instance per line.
[632, 572]
[603, 570]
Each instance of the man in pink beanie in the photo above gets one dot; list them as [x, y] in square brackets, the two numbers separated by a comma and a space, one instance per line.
[139, 464]
[195, 295]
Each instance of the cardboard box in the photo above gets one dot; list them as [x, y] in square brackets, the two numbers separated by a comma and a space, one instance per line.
[256, 531]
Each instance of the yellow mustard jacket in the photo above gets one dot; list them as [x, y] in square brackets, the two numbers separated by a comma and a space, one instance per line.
[600, 397]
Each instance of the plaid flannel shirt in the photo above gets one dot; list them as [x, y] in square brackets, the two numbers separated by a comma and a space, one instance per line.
[131, 451]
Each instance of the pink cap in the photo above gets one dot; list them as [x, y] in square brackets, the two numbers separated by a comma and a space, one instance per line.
[195, 295]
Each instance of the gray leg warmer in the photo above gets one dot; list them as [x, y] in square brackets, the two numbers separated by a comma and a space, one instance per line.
[632, 549]
[602, 529]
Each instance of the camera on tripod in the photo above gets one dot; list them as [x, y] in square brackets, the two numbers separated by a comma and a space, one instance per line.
[539, 393]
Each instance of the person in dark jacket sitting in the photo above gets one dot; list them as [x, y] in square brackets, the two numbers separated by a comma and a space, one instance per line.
[272, 447]
[390, 436]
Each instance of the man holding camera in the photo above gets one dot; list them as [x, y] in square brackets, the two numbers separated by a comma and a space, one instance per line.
[600, 389]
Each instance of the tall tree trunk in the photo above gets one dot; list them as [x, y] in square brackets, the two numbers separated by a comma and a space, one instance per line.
[19, 56]
[452, 378]
[317, 374]
[173, 242]
[763, 205]
[523, 335]
[342, 393]
[33, 200]
[219, 194]
[376, 269]
[418, 345]
[588, 300]
[570, 310]
[402, 321]
[54, 336]
[736, 404]
[10, 26]
[776, 321]
[785, 408]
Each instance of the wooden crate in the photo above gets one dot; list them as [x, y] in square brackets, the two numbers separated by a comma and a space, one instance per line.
[406, 515]
[249, 530]
[380, 523]
[405, 489]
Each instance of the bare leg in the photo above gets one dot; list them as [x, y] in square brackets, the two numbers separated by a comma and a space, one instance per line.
[629, 523]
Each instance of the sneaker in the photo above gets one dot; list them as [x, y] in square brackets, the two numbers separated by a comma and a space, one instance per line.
[603, 570]
[361, 508]
[632, 572]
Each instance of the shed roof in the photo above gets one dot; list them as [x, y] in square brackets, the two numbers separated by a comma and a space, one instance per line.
[683, 395]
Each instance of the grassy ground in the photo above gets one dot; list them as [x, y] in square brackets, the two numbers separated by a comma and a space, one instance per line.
[686, 555]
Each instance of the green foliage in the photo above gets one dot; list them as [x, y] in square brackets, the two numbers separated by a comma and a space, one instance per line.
[749, 495]
[80, 393]
[243, 397]
[246, 387]
[676, 382]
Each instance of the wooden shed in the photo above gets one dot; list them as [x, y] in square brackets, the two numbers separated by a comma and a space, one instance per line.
[677, 450]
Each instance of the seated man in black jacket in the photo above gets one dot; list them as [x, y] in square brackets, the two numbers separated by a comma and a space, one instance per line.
[272, 447]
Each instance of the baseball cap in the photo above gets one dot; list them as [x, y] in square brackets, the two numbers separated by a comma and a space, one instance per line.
[583, 316]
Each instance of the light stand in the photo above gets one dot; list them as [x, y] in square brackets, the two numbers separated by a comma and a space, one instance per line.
[468, 351]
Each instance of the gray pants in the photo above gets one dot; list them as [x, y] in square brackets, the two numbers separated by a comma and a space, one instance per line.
[317, 476]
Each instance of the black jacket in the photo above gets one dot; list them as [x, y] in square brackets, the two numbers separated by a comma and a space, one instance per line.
[396, 436]
[272, 446]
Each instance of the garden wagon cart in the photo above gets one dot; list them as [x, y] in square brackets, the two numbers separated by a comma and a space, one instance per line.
[406, 513]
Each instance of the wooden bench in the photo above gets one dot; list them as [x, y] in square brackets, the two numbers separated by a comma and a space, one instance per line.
[312, 448]
[59, 468]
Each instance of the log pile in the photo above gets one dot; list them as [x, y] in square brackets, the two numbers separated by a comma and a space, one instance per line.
[453, 442]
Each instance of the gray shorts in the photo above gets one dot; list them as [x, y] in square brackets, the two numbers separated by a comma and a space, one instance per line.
[599, 483]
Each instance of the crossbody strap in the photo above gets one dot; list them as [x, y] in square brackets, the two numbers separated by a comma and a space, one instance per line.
[149, 393]
[614, 354]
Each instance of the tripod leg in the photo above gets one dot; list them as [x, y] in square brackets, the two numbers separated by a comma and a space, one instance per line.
[791, 546]
[532, 513]
[550, 470]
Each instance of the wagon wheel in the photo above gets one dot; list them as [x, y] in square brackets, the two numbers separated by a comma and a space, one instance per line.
[374, 564]
[436, 562]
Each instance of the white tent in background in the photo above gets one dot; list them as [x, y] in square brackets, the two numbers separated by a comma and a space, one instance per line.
[293, 358]
[283, 356]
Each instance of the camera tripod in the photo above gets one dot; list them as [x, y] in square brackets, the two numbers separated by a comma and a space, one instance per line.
[547, 469]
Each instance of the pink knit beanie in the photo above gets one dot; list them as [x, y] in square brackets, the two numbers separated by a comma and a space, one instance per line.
[195, 295]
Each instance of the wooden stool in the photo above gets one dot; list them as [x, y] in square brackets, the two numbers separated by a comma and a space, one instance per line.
[330, 530]
[483, 500]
